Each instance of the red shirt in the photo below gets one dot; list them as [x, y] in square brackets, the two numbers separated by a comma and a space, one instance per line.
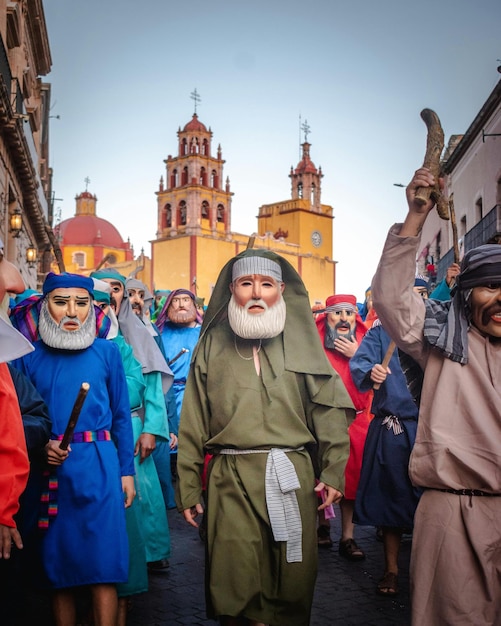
[14, 463]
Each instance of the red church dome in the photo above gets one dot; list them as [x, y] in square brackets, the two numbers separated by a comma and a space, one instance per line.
[195, 125]
[87, 230]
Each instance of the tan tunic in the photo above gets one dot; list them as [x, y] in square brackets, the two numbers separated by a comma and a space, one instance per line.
[456, 556]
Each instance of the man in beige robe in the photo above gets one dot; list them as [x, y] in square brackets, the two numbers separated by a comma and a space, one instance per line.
[456, 553]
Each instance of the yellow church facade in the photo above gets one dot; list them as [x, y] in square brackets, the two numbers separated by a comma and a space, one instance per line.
[194, 237]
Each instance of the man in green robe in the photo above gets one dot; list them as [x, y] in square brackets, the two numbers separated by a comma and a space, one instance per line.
[263, 400]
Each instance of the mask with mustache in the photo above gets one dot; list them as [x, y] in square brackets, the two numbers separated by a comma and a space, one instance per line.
[332, 333]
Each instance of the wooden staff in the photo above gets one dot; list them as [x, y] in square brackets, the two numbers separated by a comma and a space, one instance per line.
[386, 360]
[55, 247]
[179, 354]
[434, 148]
[250, 243]
[72, 422]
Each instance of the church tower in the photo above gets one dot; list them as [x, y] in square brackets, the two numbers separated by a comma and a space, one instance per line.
[194, 239]
[302, 220]
[192, 200]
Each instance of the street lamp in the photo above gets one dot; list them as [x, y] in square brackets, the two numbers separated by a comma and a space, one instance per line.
[16, 222]
[31, 255]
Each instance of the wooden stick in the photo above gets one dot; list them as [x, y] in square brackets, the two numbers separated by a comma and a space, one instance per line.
[75, 413]
[250, 243]
[179, 354]
[386, 360]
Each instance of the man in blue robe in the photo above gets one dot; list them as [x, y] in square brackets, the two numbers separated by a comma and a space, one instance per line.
[85, 542]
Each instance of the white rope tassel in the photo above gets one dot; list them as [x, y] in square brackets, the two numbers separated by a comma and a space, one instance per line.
[392, 422]
[281, 481]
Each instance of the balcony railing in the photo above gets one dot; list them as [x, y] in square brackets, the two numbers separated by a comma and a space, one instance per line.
[483, 232]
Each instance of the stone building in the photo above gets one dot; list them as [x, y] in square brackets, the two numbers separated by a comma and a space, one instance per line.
[25, 176]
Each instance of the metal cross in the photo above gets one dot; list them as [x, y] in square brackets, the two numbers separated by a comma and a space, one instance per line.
[86, 181]
[196, 98]
[306, 129]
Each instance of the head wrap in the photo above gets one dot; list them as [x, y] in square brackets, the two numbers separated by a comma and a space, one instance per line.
[134, 283]
[447, 323]
[67, 281]
[25, 294]
[102, 291]
[341, 302]
[256, 265]
[109, 273]
[162, 317]
[420, 281]
[161, 292]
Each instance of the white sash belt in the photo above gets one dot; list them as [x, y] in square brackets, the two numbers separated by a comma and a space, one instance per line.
[281, 482]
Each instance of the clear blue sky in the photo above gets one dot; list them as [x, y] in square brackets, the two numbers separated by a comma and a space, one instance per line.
[358, 71]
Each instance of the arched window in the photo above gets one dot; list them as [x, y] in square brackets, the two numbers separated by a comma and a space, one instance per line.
[205, 147]
[167, 216]
[184, 176]
[203, 177]
[174, 179]
[214, 181]
[300, 190]
[312, 195]
[205, 210]
[184, 147]
[182, 213]
[79, 259]
[194, 147]
[220, 213]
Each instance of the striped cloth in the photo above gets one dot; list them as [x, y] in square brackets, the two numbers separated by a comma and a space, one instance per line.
[281, 482]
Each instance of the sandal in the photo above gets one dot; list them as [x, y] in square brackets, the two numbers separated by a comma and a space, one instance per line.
[349, 550]
[388, 585]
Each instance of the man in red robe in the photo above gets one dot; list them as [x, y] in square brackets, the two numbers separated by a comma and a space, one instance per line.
[341, 329]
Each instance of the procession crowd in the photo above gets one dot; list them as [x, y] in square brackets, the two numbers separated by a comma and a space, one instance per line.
[253, 416]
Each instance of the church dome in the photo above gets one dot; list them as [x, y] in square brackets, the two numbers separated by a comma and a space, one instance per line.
[195, 125]
[89, 230]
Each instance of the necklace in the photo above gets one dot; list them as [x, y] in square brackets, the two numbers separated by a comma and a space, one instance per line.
[245, 358]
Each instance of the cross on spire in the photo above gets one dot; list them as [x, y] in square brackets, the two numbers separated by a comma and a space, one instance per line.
[86, 181]
[196, 98]
[306, 129]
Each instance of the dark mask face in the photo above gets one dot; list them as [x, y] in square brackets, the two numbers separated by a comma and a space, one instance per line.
[342, 328]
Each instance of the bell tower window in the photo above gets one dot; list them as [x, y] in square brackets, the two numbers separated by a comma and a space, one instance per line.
[167, 217]
[174, 179]
[182, 213]
[220, 213]
[184, 177]
[205, 210]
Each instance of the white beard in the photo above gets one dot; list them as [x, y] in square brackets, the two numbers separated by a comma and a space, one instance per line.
[264, 325]
[53, 335]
